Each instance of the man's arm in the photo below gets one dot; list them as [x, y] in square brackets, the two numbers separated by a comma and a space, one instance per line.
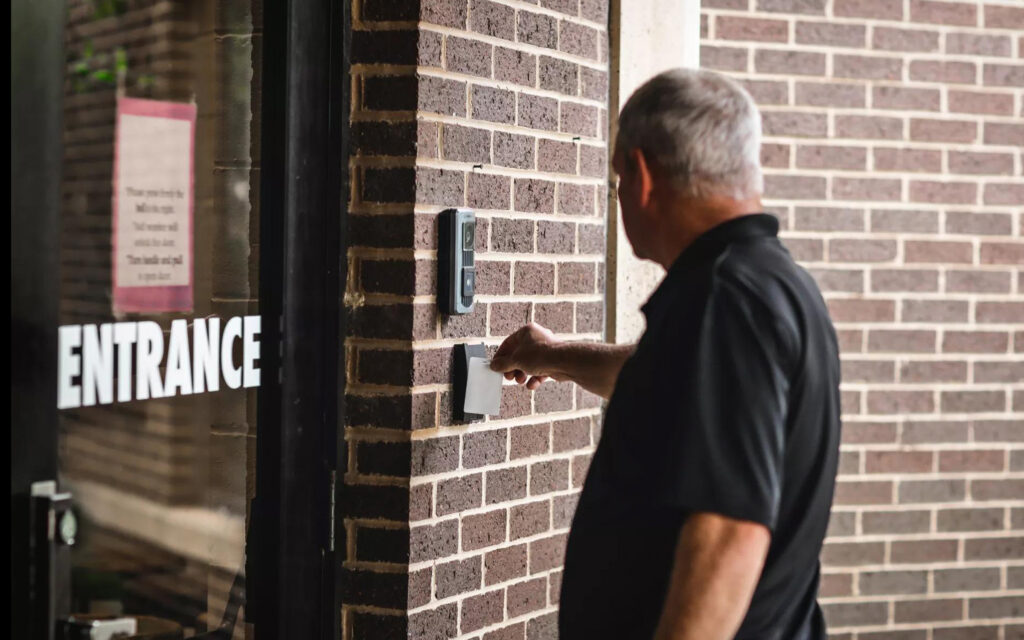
[533, 354]
[718, 563]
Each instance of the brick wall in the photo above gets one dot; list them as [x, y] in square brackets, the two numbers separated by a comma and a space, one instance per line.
[457, 530]
[893, 155]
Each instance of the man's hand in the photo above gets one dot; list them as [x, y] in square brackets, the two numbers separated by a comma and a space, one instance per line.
[717, 566]
[533, 354]
[525, 356]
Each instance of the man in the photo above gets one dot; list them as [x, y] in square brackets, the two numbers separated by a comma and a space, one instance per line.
[704, 510]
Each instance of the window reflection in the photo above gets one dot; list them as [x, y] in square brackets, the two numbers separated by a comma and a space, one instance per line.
[162, 486]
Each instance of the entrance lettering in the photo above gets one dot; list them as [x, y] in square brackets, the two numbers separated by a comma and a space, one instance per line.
[89, 355]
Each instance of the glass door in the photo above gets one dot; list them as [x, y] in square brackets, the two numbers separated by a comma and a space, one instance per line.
[159, 309]
[177, 270]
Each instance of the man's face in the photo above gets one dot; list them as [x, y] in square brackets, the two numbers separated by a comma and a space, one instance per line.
[635, 218]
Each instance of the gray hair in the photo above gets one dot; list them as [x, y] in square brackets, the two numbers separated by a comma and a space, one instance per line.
[701, 128]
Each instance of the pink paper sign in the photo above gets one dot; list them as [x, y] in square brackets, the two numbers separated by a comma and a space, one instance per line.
[153, 201]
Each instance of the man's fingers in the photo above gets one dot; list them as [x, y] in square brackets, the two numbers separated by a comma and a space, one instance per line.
[535, 382]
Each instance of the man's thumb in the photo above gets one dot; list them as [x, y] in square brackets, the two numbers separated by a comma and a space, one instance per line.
[501, 363]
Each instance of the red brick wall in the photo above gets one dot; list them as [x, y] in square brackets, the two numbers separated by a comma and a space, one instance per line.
[458, 530]
[893, 155]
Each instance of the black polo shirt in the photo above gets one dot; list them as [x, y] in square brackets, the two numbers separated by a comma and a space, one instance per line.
[730, 405]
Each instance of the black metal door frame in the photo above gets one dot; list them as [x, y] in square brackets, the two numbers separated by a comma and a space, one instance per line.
[37, 46]
[293, 559]
[292, 571]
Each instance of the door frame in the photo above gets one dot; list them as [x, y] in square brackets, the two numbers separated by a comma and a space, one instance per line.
[295, 545]
[292, 566]
[37, 43]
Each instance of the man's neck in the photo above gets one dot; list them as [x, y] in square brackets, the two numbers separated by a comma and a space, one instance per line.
[692, 217]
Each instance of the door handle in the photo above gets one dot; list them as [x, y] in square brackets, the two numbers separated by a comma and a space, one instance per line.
[72, 628]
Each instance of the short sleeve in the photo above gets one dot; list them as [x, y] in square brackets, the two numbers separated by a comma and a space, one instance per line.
[730, 442]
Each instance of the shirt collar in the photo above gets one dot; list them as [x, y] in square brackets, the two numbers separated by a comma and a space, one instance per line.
[710, 244]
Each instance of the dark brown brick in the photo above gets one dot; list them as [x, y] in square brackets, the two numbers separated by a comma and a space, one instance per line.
[845, 614]
[578, 40]
[557, 316]
[931, 130]
[493, 105]
[923, 551]
[576, 277]
[482, 610]
[985, 490]
[505, 564]
[928, 610]
[448, 13]
[973, 401]
[538, 112]
[548, 476]
[863, 492]
[538, 29]
[554, 156]
[454, 578]
[903, 521]
[547, 553]
[905, 98]
[529, 440]
[923, 160]
[483, 530]
[470, 57]
[534, 196]
[903, 220]
[874, 9]
[899, 461]
[1003, 549]
[571, 434]
[527, 596]
[529, 519]
[924, 491]
[486, 191]
[871, 127]
[506, 484]
[553, 396]
[789, 62]
[852, 310]
[975, 341]
[492, 19]
[980, 103]
[428, 542]
[1004, 17]
[933, 371]
[511, 150]
[831, 157]
[891, 39]
[969, 519]
[955, 13]
[893, 582]
[580, 119]
[795, 187]
[559, 75]
[849, 554]
[534, 278]
[867, 67]
[752, 29]
[724, 58]
[441, 622]
[966, 579]
[869, 433]
[831, 35]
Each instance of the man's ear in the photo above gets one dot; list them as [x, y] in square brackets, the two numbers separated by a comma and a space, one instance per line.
[643, 176]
